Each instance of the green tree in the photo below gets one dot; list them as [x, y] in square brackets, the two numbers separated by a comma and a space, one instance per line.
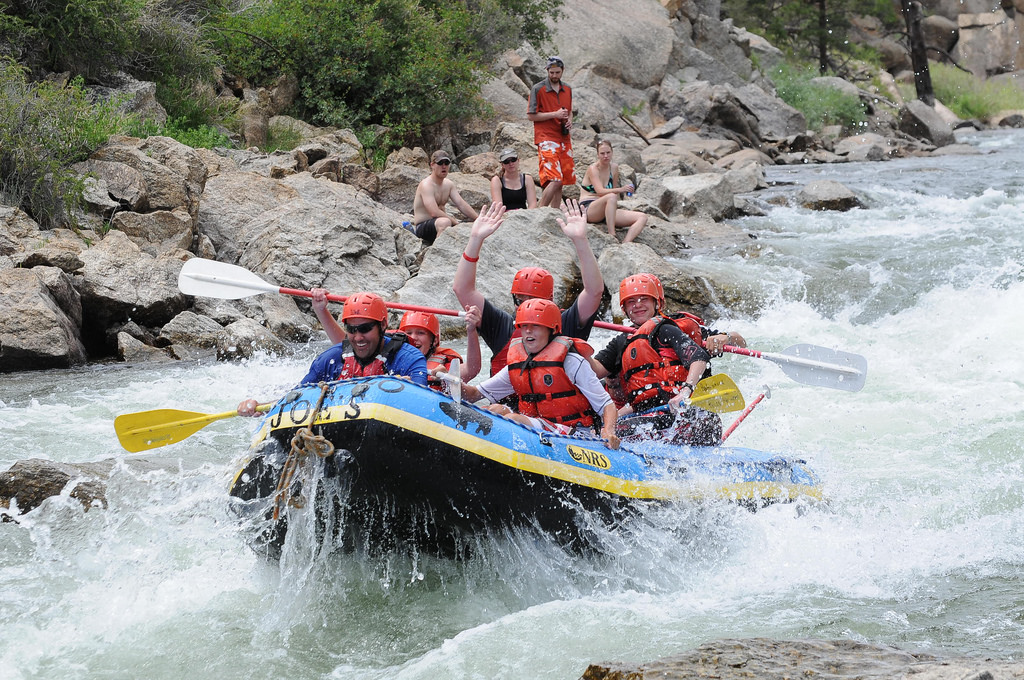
[811, 30]
[401, 63]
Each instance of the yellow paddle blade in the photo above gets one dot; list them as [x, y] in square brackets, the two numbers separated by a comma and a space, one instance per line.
[718, 393]
[152, 429]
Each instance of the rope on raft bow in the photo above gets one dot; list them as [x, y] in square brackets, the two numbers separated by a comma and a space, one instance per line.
[303, 445]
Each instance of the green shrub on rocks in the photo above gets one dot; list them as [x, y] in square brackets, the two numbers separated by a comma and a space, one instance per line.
[970, 97]
[44, 128]
[404, 64]
[821, 105]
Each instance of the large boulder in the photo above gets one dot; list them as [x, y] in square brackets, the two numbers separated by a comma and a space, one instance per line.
[635, 53]
[703, 195]
[827, 194]
[988, 42]
[24, 244]
[174, 175]
[40, 320]
[328, 235]
[118, 281]
[157, 232]
[232, 203]
[921, 121]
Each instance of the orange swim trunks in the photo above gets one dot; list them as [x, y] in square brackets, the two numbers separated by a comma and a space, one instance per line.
[556, 164]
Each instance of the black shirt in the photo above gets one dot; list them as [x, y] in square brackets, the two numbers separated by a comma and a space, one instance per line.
[497, 325]
[668, 335]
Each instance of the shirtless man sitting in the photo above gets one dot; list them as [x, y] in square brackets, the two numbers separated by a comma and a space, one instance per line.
[432, 194]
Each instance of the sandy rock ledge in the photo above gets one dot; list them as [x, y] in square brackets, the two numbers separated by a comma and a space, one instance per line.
[767, 659]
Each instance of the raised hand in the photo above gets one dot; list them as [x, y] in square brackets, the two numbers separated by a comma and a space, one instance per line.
[319, 299]
[575, 223]
[489, 220]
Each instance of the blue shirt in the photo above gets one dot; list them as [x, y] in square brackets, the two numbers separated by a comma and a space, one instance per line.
[407, 361]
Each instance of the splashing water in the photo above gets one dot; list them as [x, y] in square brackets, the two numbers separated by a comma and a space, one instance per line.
[921, 544]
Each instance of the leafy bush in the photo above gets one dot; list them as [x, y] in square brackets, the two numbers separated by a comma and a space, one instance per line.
[970, 97]
[382, 61]
[44, 128]
[820, 104]
[404, 64]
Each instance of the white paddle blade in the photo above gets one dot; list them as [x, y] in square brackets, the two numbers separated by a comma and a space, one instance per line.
[455, 384]
[209, 278]
[821, 366]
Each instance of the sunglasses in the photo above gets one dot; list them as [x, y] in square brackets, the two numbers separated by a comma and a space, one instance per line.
[361, 329]
[444, 162]
[509, 160]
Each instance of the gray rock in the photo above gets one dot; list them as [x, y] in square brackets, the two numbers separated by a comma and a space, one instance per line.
[919, 120]
[133, 351]
[158, 232]
[189, 328]
[244, 338]
[827, 194]
[40, 320]
[118, 281]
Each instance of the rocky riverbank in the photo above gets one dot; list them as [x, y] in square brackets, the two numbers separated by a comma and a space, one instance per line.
[708, 124]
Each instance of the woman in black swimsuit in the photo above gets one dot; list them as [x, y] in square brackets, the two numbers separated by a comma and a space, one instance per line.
[514, 189]
[599, 195]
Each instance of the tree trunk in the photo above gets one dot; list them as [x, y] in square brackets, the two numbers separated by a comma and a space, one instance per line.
[911, 10]
[822, 37]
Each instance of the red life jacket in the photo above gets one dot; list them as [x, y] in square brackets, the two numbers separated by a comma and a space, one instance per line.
[379, 365]
[440, 358]
[651, 377]
[500, 358]
[542, 385]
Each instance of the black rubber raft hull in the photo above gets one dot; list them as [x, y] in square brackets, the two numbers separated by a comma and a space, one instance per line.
[411, 465]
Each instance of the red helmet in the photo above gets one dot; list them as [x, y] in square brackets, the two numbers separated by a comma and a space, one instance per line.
[541, 312]
[365, 306]
[427, 322]
[641, 284]
[534, 282]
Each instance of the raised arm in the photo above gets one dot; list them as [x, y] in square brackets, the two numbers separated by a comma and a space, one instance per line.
[575, 227]
[469, 370]
[464, 284]
[334, 330]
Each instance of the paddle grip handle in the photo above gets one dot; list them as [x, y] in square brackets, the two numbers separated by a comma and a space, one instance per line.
[733, 349]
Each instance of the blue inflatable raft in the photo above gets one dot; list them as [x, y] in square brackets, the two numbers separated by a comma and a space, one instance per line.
[390, 462]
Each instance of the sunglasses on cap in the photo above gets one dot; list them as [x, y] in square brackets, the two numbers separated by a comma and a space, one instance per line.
[555, 61]
[509, 160]
[444, 161]
[361, 329]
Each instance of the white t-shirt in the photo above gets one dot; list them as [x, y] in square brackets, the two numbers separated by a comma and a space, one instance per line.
[580, 373]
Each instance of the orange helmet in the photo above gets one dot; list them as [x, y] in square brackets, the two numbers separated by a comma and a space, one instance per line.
[534, 282]
[641, 284]
[427, 322]
[365, 306]
[541, 312]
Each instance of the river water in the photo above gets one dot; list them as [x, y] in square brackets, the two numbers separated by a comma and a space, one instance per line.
[921, 544]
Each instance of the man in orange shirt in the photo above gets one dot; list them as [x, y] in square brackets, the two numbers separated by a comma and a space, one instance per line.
[550, 109]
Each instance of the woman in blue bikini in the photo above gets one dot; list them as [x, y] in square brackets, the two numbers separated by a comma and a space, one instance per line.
[599, 195]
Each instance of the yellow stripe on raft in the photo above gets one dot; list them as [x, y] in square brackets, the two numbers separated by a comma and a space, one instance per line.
[519, 460]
